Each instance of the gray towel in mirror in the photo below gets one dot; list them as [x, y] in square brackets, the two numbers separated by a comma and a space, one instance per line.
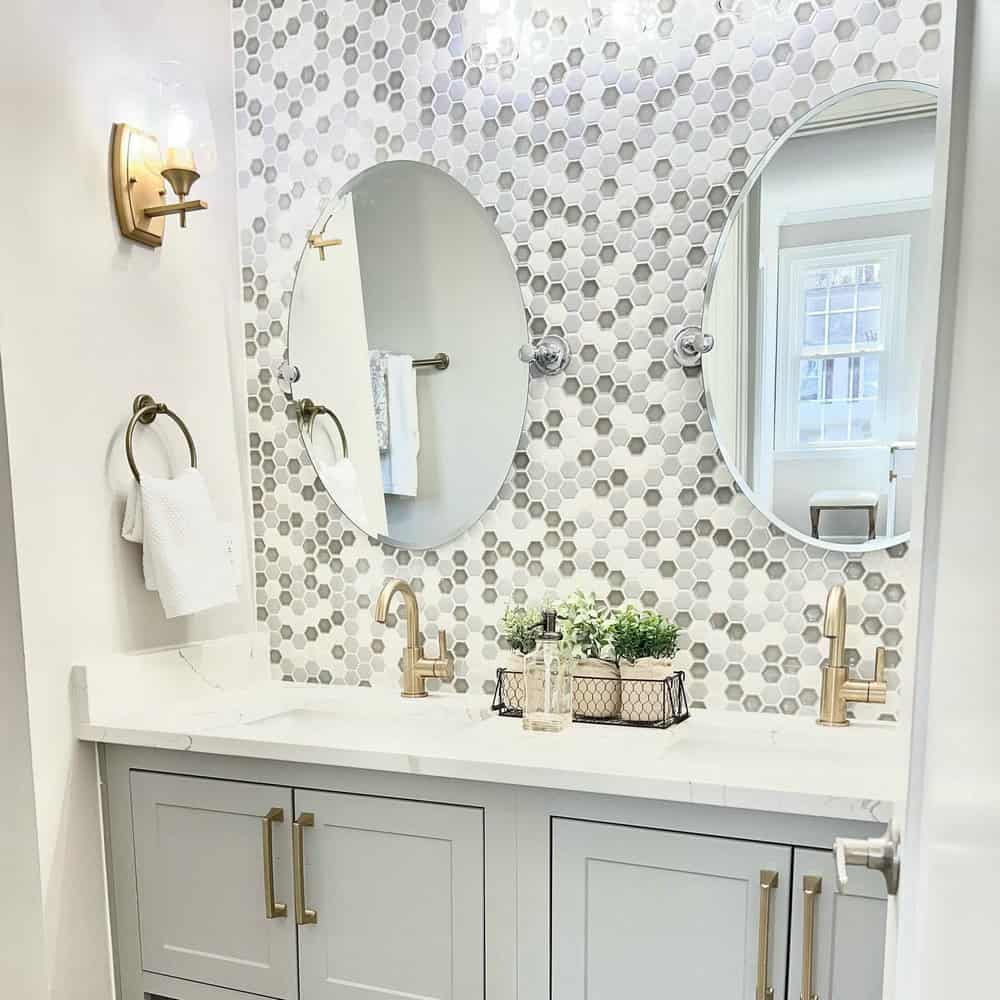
[380, 397]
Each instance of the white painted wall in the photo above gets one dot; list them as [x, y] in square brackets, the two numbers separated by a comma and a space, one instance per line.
[87, 321]
[861, 166]
[950, 876]
[22, 951]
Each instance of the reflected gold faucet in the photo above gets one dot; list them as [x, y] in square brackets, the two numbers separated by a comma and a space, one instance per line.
[837, 689]
[416, 667]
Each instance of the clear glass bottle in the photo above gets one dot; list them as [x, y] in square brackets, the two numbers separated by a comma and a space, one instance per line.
[548, 682]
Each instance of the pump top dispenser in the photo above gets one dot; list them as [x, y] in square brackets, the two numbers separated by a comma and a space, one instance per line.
[548, 680]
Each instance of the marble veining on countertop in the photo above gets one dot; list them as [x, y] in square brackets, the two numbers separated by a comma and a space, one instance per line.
[218, 698]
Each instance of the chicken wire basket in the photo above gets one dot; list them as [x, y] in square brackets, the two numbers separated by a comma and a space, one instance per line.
[609, 701]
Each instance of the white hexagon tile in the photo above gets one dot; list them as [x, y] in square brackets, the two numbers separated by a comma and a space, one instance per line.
[608, 164]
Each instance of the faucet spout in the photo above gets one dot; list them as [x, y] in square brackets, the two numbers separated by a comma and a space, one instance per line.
[405, 591]
[838, 690]
[835, 624]
[416, 666]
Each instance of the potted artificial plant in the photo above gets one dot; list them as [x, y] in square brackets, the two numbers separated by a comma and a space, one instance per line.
[586, 638]
[644, 643]
[518, 627]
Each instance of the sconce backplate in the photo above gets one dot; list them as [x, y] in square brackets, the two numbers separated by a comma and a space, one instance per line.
[137, 186]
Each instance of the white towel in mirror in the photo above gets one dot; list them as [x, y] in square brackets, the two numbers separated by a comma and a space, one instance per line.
[341, 480]
[399, 464]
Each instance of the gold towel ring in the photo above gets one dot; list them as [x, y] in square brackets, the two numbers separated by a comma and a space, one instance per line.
[309, 411]
[145, 410]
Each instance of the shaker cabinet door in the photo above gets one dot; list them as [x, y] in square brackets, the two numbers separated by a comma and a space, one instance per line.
[396, 894]
[646, 913]
[838, 939]
[201, 867]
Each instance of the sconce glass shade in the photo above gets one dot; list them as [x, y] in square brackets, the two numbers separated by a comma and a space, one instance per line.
[182, 122]
[172, 140]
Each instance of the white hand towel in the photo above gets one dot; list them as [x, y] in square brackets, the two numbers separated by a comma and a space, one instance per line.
[186, 554]
[399, 464]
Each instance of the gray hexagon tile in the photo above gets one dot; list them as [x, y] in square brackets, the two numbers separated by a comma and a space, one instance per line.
[608, 163]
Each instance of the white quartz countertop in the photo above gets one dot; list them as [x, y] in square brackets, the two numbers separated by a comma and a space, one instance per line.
[216, 698]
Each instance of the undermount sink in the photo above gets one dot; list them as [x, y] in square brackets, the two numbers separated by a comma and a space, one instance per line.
[368, 707]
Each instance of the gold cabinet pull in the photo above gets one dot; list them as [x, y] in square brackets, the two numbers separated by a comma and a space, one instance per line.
[768, 883]
[812, 886]
[271, 908]
[303, 915]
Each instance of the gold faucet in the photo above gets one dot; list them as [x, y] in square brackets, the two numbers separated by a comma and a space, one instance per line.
[838, 690]
[416, 667]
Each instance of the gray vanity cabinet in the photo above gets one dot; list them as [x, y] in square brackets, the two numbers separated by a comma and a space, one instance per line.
[372, 897]
[641, 913]
[397, 887]
[257, 880]
[847, 943]
[199, 878]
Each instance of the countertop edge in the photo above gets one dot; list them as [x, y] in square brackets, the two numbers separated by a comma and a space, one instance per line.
[787, 802]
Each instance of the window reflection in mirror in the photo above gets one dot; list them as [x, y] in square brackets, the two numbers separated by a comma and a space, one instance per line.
[816, 307]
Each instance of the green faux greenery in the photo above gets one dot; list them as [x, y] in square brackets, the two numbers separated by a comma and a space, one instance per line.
[585, 625]
[638, 634]
[589, 630]
[519, 626]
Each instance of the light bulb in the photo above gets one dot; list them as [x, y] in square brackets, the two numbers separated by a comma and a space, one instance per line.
[180, 128]
[182, 119]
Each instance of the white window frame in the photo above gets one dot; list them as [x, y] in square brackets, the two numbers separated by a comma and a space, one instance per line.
[893, 255]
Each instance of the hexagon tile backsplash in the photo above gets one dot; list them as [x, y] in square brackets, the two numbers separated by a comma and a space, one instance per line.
[608, 163]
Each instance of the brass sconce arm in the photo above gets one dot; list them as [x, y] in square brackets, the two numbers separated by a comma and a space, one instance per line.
[317, 242]
[180, 208]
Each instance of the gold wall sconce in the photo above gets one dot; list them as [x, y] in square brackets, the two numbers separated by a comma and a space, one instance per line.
[138, 172]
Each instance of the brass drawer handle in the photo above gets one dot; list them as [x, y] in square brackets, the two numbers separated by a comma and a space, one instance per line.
[768, 883]
[303, 915]
[812, 886]
[271, 908]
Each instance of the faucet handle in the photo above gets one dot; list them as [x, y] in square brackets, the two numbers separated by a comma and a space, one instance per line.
[880, 665]
[442, 654]
[878, 689]
[441, 664]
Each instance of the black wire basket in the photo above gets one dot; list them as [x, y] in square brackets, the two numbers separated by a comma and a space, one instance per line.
[607, 701]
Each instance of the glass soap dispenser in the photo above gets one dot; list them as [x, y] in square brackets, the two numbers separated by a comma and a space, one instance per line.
[548, 681]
